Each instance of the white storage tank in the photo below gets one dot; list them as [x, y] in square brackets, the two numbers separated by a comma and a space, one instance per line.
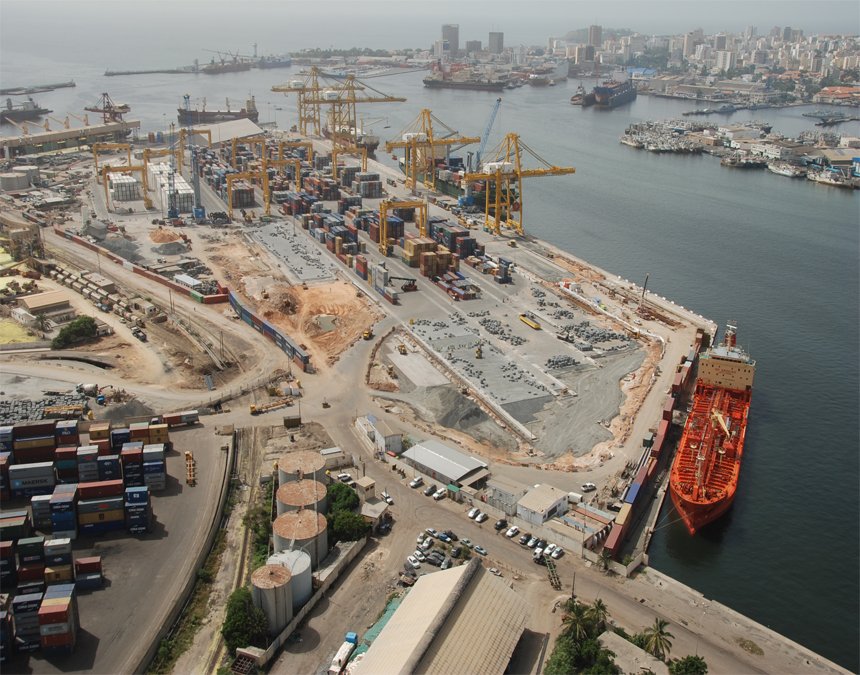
[302, 530]
[272, 592]
[299, 565]
[14, 181]
[301, 464]
[29, 170]
[302, 494]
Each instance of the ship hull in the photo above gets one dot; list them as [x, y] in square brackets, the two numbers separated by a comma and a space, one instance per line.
[614, 94]
[212, 116]
[453, 84]
[705, 472]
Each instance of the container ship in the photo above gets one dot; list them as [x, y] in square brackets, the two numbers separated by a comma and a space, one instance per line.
[19, 112]
[274, 62]
[704, 476]
[211, 116]
[234, 66]
[612, 93]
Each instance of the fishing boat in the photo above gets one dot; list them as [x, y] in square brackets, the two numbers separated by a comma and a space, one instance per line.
[705, 472]
[786, 169]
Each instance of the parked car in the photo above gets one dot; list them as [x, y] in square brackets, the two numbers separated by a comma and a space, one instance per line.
[447, 563]
[541, 543]
[501, 524]
[344, 477]
[451, 534]
[415, 482]
[427, 544]
[419, 555]
[588, 487]
[473, 512]
[558, 552]
[480, 550]
[481, 517]
[532, 542]
[512, 532]
[524, 539]
[440, 494]
[412, 560]
[495, 570]
[466, 542]
[431, 532]
[456, 551]
[420, 539]
[444, 537]
[429, 490]
[549, 549]
[387, 497]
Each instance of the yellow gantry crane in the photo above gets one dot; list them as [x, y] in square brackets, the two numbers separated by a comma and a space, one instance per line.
[389, 205]
[139, 168]
[308, 90]
[149, 153]
[100, 147]
[296, 144]
[420, 141]
[253, 141]
[184, 133]
[505, 173]
[247, 175]
[360, 153]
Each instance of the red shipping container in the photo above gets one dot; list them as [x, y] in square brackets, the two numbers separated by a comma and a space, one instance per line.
[66, 452]
[54, 613]
[34, 455]
[103, 444]
[61, 640]
[105, 488]
[7, 550]
[89, 565]
[131, 456]
[31, 572]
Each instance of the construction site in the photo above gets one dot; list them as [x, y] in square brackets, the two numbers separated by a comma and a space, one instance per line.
[306, 317]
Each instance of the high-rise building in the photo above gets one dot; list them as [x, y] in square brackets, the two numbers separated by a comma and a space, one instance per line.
[451, 33]
[595, 36]
[497, 43]
[786, 34]
[725, 61]
[473, 46]
[720, 42]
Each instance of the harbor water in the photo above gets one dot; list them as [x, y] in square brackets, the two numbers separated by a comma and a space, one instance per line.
[777, 255]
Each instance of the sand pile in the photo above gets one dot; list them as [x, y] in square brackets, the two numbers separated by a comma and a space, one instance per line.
[163, 236]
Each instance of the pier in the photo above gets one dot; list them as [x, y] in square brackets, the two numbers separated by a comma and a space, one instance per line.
[50, 141]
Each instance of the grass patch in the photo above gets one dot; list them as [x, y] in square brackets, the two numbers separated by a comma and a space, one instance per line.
[171, 648]
[750, 646]
[258, 520]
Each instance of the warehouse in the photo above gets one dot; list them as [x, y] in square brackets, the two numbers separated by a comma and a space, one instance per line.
[542, 503]
[461, 620]
[46, 303]
[443, 463]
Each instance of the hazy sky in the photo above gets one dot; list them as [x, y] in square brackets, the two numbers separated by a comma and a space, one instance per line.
[83, 31]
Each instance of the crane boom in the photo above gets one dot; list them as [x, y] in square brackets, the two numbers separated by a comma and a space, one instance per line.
[486, 135]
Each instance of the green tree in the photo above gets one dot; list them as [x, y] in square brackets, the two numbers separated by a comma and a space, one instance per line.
[82, 328]
[348, 526]
[244, 625]
[599, 613]
[562, 657]
[577, 621]
[605, 559]
[689, 665]
[657, 639]
[341, 497]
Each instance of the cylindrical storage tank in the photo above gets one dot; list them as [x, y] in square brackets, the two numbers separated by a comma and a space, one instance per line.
[299, 565]
[31, 171]
[272, 592]
[302, 530]
[302, 494]
[14, 181]
[298, 465]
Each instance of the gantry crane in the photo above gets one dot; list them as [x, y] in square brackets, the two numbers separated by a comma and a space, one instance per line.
[278, 163]
[98, 147]
[197, 209]
[149, 153]
[139, 168]
[307, 90]
[419, 141]
[187, 133]
[252, 141]
[360, 153]
[389, 205]
[505, 174]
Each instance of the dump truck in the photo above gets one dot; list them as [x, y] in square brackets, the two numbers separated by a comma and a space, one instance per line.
[368, 334]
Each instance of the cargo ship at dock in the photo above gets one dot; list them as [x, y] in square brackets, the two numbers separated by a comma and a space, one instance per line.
[612, 93]
[464, 80]
[212, 116]
[21, 112]
[705, 472]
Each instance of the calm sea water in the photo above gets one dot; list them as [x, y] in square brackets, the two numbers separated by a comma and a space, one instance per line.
[779, 256]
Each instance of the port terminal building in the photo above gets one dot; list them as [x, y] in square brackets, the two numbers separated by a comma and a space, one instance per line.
[447, 465]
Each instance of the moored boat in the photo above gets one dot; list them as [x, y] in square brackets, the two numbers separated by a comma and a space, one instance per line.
[706, 468]
[786, 169]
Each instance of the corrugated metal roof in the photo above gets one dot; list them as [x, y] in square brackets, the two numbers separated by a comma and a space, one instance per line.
[443, 459]
[227, 131]
[542, 498]
[461, 620]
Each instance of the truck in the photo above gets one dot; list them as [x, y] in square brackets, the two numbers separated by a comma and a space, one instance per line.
[272, 405]
[341, 658]
[368, 334]
[87, 389]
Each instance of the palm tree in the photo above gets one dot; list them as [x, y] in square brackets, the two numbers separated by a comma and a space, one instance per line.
[657, 640]
[577, 620]
[599, 613]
